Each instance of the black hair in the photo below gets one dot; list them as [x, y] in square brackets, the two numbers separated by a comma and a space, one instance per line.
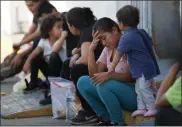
[47, 25]
[128, 15]
[105, 24]
[44, 7]
[80, 17]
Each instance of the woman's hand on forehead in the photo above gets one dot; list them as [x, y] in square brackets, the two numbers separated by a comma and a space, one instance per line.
[97, 34]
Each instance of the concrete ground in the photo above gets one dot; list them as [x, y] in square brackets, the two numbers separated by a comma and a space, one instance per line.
[7, 86]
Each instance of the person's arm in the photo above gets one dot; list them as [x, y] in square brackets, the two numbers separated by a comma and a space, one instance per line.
[125, 44]
[93, 66]
[27, 64]
[17, 61]
[35, 53]
[99, 78]
[99, 66]
[31, 30]
[84, 53]
[161, 100]
[30, 37]
[116, 59]
[124, 77]
[57, 47]
[26, 52]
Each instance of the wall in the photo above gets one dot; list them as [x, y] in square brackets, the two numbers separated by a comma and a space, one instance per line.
[5, 18]
[14, 12]
[166, 27]
[100, 8]
[145, 15]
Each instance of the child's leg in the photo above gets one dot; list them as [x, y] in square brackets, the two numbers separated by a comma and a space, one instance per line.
[147, 95]
[65, 70]
[140, 102]
[55, 64]
[38, 63]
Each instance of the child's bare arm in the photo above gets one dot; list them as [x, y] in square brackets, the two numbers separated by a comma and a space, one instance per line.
[27, 64]
[115, 61]
[57, 47]
[35, 53]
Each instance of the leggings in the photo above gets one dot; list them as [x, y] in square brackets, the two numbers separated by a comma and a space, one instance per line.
[109, 98]
[53, 68]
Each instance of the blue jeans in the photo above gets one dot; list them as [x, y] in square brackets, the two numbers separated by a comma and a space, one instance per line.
[109, 98]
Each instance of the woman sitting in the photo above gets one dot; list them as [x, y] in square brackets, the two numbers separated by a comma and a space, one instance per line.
[108, 94]
[80, 22]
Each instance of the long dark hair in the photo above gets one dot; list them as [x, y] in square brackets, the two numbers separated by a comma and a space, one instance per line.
[80, 17]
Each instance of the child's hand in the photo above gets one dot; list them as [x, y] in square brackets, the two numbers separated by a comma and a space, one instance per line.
[26, 67]
[73, 60]
[76, 51]
[64, 33]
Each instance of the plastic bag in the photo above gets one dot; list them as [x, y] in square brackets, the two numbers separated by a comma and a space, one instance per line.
[59, 89]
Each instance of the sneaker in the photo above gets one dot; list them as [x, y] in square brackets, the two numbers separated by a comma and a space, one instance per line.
[101, 123]
[45, 101]
[84, 118]
[32, 86]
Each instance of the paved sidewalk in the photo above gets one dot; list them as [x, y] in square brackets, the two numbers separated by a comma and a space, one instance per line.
[7, 86]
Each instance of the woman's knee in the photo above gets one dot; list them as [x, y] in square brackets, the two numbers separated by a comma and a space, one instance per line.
[83, 83]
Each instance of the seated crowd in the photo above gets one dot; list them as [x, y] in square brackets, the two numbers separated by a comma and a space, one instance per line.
[112, 70]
